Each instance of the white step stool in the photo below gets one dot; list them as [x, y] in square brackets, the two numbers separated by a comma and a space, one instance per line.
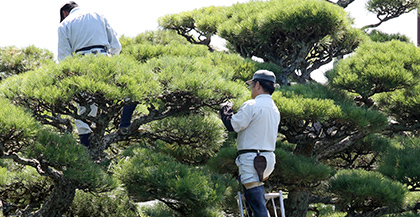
[268, 197]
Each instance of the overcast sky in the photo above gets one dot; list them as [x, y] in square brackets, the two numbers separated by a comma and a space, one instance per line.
[29, 22]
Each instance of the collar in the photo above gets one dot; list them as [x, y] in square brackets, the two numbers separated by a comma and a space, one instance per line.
[264, 95]
[74, 10]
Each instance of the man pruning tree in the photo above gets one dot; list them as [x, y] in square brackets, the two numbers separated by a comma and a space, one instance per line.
[256, 123]
[85, 33]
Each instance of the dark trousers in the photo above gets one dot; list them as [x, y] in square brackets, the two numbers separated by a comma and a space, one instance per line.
[127, 112]
[125, 122]
[255, 199]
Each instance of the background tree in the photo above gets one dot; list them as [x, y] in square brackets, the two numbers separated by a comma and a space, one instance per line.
[384, 10]
[298, 37]
[380, 76]
[44, 157]
[342, 3]
[361, 193]
[177, 89]
[378, 36]
[257, 29]
[403, 153]
[389, 9]
[14, 60]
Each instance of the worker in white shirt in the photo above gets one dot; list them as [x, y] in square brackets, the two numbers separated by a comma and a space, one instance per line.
[84, 33]
[256, 123]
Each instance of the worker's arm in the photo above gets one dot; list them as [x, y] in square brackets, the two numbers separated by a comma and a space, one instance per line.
[64, 47]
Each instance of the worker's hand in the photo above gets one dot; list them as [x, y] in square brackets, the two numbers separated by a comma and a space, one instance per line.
[226, 104]
[226, 109]
[226, 114]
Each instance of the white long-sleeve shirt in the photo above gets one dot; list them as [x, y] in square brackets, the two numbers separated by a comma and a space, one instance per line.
[82, 29]
[256, 123]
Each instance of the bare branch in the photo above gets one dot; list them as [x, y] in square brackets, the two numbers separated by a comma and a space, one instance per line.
[42, 168]
[343, 144]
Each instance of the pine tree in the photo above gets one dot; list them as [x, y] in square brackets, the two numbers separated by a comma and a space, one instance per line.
[358, 131]
[342, 124]
[177, 89]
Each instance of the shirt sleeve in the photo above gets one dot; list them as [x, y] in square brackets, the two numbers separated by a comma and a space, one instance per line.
[242, 118]
[64, 47]
[114, 43]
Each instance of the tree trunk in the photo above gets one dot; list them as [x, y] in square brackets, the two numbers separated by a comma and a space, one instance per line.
[59, 201]
[297, 202]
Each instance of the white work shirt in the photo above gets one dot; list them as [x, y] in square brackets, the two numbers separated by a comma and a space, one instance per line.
[84, 29]
[256, 123]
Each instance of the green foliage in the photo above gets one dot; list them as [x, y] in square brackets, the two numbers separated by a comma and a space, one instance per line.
[294, 35]
[20, 186]
[295, 106]
[106, 204]
[194, 20]
[24, 175]
[149, 45]
[363, 154]
[403, 106]
[187, 75]
[15, 60]
[224, 161]
[326, 211]
[390, 8]
[159, 37]
[299, 171]
[412, 198]
[182, 66]
[398, 163]
[409, 214]
[297, 17]
[189, 191]
[190, 139]
[318, 103]
[116, 77]
[374, 142]
[63, 153]
[363, 191]
[378, 36]
[283, 32]
[377, 68]
[184, 161]
[246, 69]
[157, 210]
[15, 122]
[144, 52]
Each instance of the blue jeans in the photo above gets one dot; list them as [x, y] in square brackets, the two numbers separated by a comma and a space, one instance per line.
[255, 199]
[125, 122]
[127, 112]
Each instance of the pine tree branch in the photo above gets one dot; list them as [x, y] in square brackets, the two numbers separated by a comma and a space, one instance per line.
[387, 13]
[341, 145]
[341, 3]
[42, 168]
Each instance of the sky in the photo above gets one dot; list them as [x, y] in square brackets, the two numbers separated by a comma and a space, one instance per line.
[28, 22]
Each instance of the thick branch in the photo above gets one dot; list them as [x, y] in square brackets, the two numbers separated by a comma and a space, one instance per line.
[343, 144]
[42, 168]
[173, 103]
[342, 3]
[391, 13]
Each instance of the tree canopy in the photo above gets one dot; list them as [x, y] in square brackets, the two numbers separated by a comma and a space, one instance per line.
[298, 36]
